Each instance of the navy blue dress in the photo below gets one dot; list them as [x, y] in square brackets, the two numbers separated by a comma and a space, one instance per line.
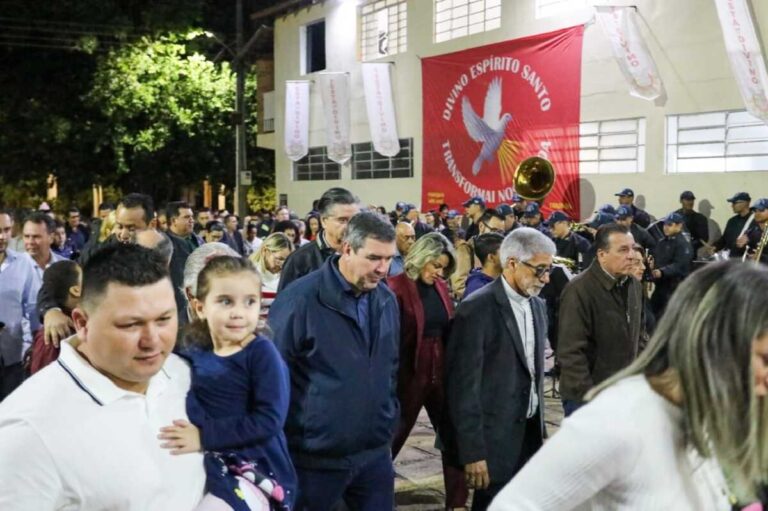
[240, 403]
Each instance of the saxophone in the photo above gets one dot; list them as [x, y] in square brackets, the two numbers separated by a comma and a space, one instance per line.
[761, 244]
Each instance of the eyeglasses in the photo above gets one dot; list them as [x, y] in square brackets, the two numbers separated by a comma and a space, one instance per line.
[538, 271]
[491, 229]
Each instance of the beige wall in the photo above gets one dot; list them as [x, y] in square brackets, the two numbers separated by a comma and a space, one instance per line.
[683, 35]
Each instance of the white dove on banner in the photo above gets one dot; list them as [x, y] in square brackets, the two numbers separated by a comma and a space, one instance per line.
[490, 129]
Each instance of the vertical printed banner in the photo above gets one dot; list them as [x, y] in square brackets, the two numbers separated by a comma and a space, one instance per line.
[334, 92]
[381, 109]
[745, 55]
[487, 109]
[631, 53]
[296, 119]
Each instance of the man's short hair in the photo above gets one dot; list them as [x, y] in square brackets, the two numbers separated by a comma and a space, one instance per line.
[487, 244]
[73, 209]
[172, 209]
[524, 243]
[104, 206]
[58, 278]
[366, 225]
[127, 264]
[282, 225]
[42, 218]
[57, 224]
[335, 196]
[491, 213]
[140, 200]
[204, 209]
[603, 235]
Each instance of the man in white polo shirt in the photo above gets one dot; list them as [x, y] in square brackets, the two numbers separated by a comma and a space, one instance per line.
[82, 433]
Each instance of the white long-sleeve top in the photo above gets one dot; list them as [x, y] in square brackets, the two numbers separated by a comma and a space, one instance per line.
[623, 451]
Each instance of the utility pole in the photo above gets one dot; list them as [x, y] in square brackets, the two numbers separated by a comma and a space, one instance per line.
[241, 161]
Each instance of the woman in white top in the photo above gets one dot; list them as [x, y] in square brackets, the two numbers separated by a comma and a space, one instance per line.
[685, 427]
[269, 260]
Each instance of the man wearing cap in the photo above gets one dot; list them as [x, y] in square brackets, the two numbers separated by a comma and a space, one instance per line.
[735, 225]
[569, 244]
[751, 239]
[695, 222]
[627, 198]
[411, 213]
[532, 218]
[624, 217]
[510, 218]
[672, 262]
[475, 207]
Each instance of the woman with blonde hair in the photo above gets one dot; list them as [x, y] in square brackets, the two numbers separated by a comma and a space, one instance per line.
[426, 310]
[269, 260]
[107, 227]
[684, 426]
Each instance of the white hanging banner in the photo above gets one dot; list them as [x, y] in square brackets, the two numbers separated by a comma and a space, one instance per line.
[296, 119]
[631, 53]
[745, 55]
[381, 109]
[334, 91]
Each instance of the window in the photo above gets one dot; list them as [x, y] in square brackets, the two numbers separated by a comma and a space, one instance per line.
[268, 119]
[716, 142]
[457, 18]
[312, 39]
[547, 8]
[316, 167]
[384, 28]
[612, 147]
[368, 164]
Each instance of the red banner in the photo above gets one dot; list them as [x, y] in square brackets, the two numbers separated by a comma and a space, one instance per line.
[486, 109]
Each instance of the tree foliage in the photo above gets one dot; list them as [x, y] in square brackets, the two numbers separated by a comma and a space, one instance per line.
[133, 101]
[154, 91]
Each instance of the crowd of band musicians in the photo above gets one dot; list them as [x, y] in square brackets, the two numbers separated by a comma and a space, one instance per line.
[379, 314]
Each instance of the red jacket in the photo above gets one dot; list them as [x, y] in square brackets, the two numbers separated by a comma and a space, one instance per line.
[412, 315]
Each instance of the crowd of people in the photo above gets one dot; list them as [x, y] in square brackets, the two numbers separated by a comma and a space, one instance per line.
[182, 358]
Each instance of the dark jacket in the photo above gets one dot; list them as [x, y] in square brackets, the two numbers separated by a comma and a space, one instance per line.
[488, 383]
[343, 406]
[235, 241]
[412, 317]
[640, 217]
[732, 230]
[306, 259]
[599, 329]
[476, 280]
[182, 248]
[672, 256]
[572, 246]
[697, 226]
[642, 236]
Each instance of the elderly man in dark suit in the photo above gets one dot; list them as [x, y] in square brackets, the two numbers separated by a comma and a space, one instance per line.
[495, 365]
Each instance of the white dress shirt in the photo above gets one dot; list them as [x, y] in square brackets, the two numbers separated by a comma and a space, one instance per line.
[624, 451]
[521, 307]
[72, 440]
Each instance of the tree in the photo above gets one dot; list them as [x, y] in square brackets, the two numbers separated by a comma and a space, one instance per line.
[116, 93]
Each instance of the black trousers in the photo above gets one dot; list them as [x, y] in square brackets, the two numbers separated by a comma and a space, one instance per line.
[531, 443]
[11, 376]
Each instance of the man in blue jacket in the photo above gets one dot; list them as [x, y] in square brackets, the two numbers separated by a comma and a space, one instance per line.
[338, 329]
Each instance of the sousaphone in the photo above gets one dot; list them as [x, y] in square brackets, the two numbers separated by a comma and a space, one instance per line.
[534, 178]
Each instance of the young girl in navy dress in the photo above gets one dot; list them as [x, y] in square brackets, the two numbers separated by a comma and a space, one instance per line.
[239, 397]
